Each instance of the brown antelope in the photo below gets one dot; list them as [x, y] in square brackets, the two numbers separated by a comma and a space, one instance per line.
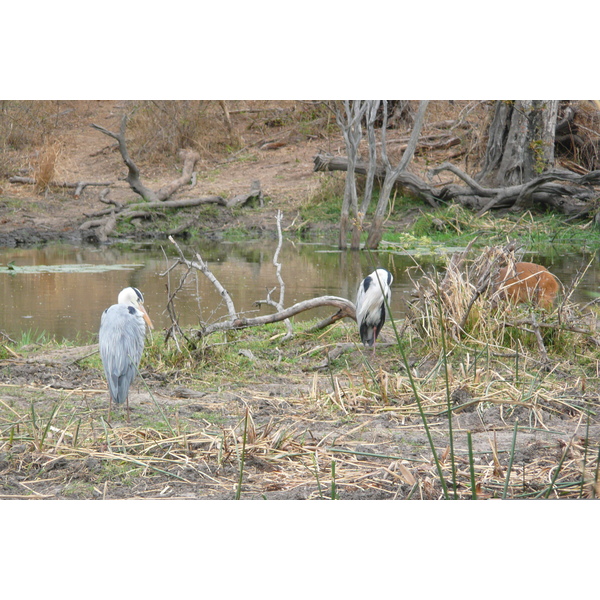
[527, 282]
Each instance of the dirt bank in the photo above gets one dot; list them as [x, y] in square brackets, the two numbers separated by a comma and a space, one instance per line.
[284, 170]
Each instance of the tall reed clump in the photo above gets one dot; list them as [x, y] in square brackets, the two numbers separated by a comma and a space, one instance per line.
[473, 314]
[45, 168]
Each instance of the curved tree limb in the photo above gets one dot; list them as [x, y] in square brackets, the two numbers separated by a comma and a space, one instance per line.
[133, 173]
[446, 166]
[539, 189]
[346, 309]
[190, 158]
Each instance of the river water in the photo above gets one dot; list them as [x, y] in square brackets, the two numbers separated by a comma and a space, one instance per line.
[62, 289]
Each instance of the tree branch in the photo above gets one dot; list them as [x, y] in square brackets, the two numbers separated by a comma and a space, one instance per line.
[133, 173]
[200, 265]
[346, 309]
[277, 265]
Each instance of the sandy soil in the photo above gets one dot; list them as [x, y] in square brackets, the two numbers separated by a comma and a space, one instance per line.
[284, 169]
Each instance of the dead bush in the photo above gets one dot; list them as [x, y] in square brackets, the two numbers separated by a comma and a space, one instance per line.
[159, 129]
[45, 168]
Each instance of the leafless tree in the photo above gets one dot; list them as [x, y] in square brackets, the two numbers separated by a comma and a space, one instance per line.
[391, 174]
[518, 170]
[349, 119]
[370, 121]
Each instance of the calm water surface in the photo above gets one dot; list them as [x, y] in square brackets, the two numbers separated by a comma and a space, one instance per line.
[69, 304]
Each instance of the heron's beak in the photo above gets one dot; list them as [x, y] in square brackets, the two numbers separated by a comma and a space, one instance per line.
[145, 315]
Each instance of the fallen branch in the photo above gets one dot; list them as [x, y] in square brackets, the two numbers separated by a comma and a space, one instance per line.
[102, 228]
[133, 175]
[327, 162]
[541, 189]
[140, 210]
[106, 228]
[255, 193]
[78, 186]
[346, 307]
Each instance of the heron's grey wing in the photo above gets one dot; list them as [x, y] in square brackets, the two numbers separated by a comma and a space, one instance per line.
[122, 332]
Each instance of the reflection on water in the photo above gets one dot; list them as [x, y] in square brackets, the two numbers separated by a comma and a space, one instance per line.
[69, 305]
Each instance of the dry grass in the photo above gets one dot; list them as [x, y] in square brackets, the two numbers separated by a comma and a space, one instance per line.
[159, 129]
[473, 312]
[356, 432]
[26, 124]
[46, 166]
[30, 129]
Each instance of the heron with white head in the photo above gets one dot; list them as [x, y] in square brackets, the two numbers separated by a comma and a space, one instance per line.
[373, 293]
[121, 337]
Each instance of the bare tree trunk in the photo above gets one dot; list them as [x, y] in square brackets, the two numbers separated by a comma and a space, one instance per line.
[349, 123]
[359, 217]
[520, 142]
[376, 230]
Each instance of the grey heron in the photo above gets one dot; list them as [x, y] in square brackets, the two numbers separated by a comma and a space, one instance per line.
[373, 292]
[121, 337]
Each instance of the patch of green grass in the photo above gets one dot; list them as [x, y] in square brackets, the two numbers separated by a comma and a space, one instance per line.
[116, 471]
[34, 339]
[165, 356]
[247, 157]
[78, 489]
[209, 417]
[237, 234]
[11, 203]
[455, 225]
[32, 336]
[326, 201]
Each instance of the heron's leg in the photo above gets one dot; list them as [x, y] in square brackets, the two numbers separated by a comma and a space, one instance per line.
[127, 402]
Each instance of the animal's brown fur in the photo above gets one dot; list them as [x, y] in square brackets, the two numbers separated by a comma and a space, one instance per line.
[527, 282]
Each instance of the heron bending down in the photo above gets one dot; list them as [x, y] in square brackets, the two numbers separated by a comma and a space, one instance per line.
[122, 333]
[373, 292]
